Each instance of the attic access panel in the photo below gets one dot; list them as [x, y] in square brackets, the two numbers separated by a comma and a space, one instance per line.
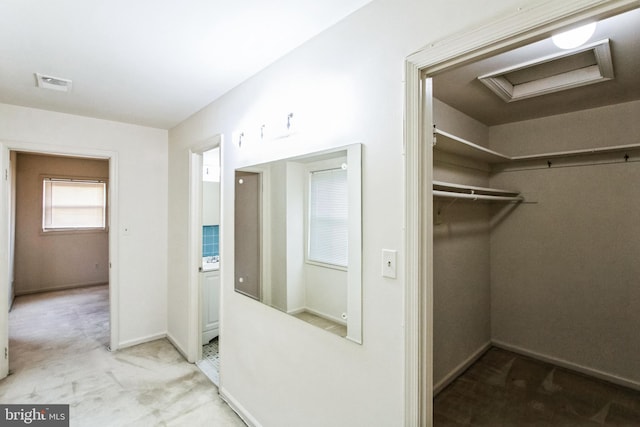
[565, 70]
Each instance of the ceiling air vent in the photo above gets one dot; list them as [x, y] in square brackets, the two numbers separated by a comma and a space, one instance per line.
[53, 83]
[565, 70]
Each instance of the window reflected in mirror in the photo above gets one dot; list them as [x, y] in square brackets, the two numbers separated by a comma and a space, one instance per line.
[298, 238]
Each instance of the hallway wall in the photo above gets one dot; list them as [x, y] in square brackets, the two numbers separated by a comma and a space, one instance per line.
[344, 86]
[141, 175]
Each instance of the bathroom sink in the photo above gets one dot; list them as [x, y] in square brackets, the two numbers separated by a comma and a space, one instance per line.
[210, 263]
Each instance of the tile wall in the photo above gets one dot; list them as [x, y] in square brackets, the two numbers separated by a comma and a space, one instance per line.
[210, 240]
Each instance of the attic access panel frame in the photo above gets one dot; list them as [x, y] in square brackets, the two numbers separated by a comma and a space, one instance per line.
[599, 71]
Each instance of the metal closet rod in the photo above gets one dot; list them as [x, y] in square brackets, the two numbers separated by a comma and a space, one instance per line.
[450, 194]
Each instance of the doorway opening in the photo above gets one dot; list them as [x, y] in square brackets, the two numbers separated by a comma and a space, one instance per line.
[59, 246]
[210, 268]
[205, 256]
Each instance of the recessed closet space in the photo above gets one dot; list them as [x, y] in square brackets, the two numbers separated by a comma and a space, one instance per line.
[536, 234]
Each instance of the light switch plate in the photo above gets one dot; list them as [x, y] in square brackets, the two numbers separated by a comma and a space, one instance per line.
[389, 261]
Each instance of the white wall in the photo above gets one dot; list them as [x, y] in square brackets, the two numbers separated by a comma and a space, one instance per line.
[344, 86]
[276, 255]
[210, 203]
[142, 176]
[565, 269]
[294, 217]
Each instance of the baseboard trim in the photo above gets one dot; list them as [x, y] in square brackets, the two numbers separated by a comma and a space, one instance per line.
[458, 370]
[337, 320]
[177, 345]
[569, 365]
[60, 288]
[142, 340]
[248, 419]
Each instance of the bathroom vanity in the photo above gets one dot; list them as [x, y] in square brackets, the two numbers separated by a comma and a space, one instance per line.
[210, 285]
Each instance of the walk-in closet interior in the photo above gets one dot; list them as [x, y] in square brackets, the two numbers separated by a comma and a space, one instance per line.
[536, 199]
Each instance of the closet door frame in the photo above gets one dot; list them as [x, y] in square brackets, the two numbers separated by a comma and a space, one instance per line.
[528, 23]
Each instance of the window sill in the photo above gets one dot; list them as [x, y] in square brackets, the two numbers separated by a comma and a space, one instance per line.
[330, 266]
[65, 232]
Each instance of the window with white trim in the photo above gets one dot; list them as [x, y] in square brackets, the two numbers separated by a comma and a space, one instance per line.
[328, 217]
[71, 204]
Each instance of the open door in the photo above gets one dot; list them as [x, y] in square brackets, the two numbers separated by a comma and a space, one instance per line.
[5, 255]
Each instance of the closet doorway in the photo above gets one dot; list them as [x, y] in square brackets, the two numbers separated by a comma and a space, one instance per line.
[536, 271]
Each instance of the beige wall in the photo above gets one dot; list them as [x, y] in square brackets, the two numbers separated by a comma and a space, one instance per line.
[461, 274]
[55, 260]
[565, 269]
[557, 275]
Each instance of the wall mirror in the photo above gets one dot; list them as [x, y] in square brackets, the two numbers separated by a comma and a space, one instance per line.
[298, 238]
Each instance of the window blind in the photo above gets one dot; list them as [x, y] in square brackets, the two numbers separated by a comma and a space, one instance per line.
[328, 217]
[70, 204]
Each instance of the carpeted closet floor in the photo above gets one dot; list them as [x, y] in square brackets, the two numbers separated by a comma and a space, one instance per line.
[58, 354]
[506, 389]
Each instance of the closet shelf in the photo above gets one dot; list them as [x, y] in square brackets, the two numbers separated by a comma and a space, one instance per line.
[576, 153]
[450, 143]
[459, 191]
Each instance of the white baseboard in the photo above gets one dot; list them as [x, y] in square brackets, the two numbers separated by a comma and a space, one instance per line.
[177, 345]
[238, 408]
[295, 311]
[569, 365]
[458, 370]
[142, 340]
[337, 320]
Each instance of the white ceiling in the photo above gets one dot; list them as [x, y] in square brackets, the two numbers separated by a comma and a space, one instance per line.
[148, 62]
[461, 89]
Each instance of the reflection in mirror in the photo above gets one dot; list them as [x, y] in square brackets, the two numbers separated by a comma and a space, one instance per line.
[298, 238]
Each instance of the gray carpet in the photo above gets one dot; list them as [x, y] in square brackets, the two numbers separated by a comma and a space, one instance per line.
[506, 389]
[58, 354]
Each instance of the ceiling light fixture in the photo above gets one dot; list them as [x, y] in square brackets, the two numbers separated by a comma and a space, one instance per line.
[575, 37]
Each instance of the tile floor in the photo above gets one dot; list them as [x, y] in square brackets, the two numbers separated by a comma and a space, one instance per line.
[58, 354]
[506, 389]
[210, 363]
[211, 353]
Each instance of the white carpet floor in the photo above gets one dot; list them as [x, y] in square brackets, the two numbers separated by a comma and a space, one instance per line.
[58, 354]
